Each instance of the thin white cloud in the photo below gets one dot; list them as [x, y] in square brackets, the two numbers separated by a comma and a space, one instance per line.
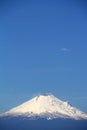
[64, 49]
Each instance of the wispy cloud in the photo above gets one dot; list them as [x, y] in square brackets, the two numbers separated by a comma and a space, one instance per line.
[64, 49]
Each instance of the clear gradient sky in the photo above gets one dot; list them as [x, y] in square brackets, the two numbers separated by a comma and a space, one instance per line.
[43, 49]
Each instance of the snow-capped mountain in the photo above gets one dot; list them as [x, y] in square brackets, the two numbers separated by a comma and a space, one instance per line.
[47, 106]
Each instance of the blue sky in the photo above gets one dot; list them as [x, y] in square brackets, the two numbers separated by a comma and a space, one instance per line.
[43, 49]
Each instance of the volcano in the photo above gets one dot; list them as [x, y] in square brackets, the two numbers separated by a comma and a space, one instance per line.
[46, 106]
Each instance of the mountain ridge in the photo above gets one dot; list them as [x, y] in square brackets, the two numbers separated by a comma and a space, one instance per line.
[47, 106]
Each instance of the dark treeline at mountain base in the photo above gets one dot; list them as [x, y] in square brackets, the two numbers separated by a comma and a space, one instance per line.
[19, 123]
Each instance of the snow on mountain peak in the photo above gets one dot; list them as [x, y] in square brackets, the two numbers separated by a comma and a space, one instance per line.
[48, 106]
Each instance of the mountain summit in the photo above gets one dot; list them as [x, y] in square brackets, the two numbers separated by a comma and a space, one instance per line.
[47, 106]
